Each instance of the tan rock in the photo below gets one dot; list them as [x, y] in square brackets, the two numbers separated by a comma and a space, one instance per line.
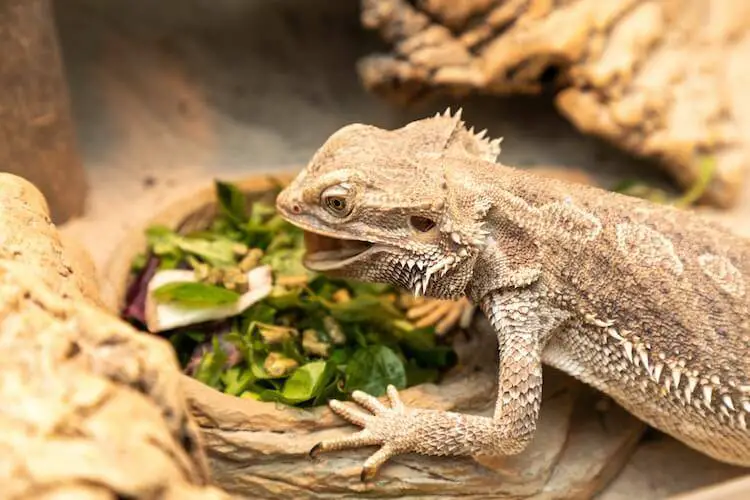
[90, 408]
[660, 79]
[28, 235]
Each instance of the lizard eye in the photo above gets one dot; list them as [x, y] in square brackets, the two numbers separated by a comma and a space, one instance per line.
[335, 200]
[421, 224]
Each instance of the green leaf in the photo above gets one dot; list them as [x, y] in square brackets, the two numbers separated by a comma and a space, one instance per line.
[287, 262]
[364, 288]
[706, 173]
[231, 200]
[139, 262]
[441, 356]
[372, 368]
[260, 211]
[219, 252]
[169, 245]
[195, 294]
[416, 375]
[282, 299]
[236, 380]
[340, 356]
[308, 381]
[260, 312]
[210, 368]
[363, 308]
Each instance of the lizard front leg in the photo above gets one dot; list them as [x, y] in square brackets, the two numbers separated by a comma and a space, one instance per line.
[519, 321]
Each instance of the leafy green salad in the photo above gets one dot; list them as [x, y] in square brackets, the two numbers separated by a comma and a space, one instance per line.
[248, 319]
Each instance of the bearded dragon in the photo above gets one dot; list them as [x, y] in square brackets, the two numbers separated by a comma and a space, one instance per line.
[647, 303]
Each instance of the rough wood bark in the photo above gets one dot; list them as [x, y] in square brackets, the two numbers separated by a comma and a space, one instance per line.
[660, 79]
[90, 408]
[260, 450]
[37, 137]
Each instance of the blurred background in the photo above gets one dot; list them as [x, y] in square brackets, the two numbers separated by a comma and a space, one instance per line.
[166, 96]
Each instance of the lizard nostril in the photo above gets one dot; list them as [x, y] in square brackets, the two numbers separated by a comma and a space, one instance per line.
[296, 209]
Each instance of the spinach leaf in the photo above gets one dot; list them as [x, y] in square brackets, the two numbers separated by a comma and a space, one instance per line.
[210, 368]
[308, 381]
[372, 368]
[167, 244]
[236, 380]
[231, 201]
[195, 294]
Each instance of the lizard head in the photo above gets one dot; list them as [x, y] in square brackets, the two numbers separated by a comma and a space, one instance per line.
[378, 205]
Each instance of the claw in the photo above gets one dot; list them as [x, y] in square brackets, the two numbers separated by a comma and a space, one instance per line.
[372, 465]
[356, 440]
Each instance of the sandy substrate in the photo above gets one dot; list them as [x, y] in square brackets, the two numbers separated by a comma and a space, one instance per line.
[169, 95]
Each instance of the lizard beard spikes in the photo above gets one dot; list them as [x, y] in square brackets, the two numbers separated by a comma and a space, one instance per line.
[421, 272]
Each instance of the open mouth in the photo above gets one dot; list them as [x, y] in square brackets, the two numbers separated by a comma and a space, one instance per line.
[324, 253]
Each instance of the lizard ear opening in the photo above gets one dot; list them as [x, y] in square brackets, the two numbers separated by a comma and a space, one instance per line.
[421, 224]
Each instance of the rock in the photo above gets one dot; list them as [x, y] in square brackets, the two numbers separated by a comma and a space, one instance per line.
[662, 80]
[735, 489]
[37, 133]
[91, 408]
[28, 235]
[260, 450]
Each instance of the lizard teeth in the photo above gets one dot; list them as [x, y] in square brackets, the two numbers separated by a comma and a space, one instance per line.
[628, 350]
[692, 384]
[418, 288]
[668, 384]
[426, 281]
[613, 333]
[676, 375]
[656, 374]
[707, 391]
[644, 358]
[727, 400]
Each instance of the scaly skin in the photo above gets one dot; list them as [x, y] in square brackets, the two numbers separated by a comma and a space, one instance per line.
[644, 302]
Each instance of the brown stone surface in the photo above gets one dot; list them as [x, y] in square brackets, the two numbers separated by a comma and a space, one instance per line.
[736, 489]
[90, 407]
[28, 235]
[37, 137]
[665, 80]
[260, 450]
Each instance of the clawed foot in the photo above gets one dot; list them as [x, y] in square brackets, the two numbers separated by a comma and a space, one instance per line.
[383, 426]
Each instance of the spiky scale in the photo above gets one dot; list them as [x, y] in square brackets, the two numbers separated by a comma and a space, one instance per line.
[656, 374]
[628, 347]
[707, 393]
[727, 400]
[676, 375]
